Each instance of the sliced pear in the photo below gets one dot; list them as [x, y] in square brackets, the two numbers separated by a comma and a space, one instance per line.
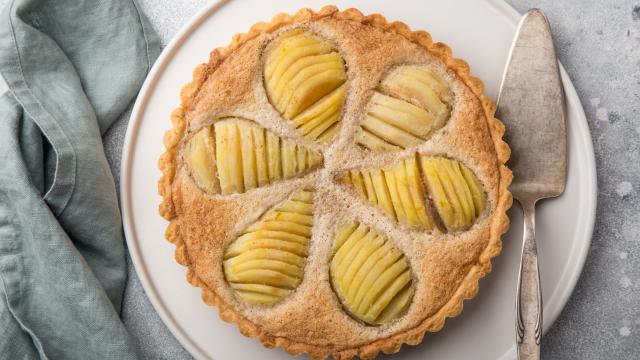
[279, 255]
[388, 293]
[388, 132]
[394, 194]
[249, 243]
[382, 191]
[391, 123]
[286, 50]
[401, 114]
[301, 159]
[398, 191]
[391, 255]
[373, 142]
[406, 191]
[290, 51]
[249, 156]
[233, 151]
[223, 158]
[229, 135]
[370, 276]
[291, 217]
[478, 196]
[348, 243]
[257, 297]
[358, 182]
[350, 257]
[200, 156]
[313, 88]
[421, 85]
[298, 207]
[276, 230]
[266, 263]
[344, 231]
[261, 155]
[397, 305]
[287, 227]
[312, 69]
[289, 159]
[262, 276]
[430, 172]
[305, 81]
[410, 104]
[402, 186]
[365, 269]
[368, 183]
[314, 159]
[455, 192]
[412, 88]
[261, 289]
[301, 64]
[329, 133]
[301, 70]
[371, 244]
[248, 150]
[321, 110]
[373, 293]
[462, 190]
[454, 200]
[274, 157]
[305, 196]
[416, 189]
[329, 124]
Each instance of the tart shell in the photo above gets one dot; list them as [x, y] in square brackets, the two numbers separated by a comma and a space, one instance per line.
[468, 287]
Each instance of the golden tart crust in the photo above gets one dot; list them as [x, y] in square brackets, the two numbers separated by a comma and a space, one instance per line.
[446, 267]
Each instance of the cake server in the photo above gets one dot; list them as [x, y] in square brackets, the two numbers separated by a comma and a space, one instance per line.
[531, 104]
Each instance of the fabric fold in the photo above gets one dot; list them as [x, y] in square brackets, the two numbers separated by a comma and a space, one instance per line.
[72, 67]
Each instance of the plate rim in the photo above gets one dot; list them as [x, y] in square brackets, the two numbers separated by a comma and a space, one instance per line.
[560, 295]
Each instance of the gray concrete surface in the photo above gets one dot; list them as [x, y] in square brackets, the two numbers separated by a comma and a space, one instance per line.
[599, 44]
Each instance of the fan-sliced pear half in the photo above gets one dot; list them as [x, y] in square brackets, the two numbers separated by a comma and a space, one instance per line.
[371, 277]
[235, 156]
[266, 262]
[408, 106]
[423, 191]
[305, 79]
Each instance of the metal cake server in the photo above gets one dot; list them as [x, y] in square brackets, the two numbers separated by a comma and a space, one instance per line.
[531, 104]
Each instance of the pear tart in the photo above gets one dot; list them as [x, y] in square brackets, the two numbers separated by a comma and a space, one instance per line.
[335, 183]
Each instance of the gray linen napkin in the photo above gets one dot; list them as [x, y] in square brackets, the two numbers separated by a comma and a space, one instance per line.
[71, 67]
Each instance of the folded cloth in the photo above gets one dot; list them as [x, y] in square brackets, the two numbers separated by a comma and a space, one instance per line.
[71, 67]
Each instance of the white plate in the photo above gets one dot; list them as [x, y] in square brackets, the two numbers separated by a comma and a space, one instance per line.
[479, 32]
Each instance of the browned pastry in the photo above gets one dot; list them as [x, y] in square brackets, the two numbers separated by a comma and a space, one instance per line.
[340, 165]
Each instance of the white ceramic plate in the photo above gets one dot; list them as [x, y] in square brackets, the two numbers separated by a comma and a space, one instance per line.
[479, 32]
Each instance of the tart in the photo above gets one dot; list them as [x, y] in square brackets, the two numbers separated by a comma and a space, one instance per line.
[335, 183]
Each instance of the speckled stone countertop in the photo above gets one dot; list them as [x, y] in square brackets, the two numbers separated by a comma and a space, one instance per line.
[599, 44]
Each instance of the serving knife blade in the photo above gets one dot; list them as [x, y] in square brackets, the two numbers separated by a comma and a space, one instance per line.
[531, 104]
